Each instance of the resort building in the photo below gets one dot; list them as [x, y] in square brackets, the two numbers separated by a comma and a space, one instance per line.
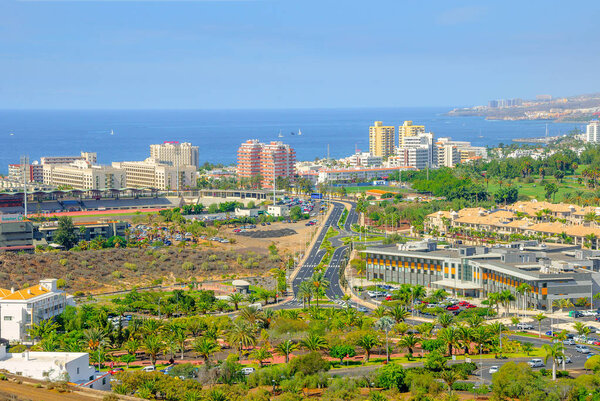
[90, 157]
[152, 174]
[175, 153]
[544, 220]
[20, 309]
[559, 272]
[362, 159]
[382, 139]
[357, 174]
[418, 157]
[269, 160]
[83, 175]
[592, 132]
[407, 130]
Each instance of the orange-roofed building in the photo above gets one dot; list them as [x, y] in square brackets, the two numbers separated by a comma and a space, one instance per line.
[20, 309]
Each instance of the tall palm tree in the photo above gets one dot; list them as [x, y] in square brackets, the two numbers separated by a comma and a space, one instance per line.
[449, 335]
[425, 329]
[465, 338]
[554, 352]
[409, 342]
[385, 324]
[205, 347]
[151, 326]
[314, 342]
[305, 292]
[236, 299]
[367, 342]
[261, 354]
[286, 348]
[42, 329]
[153, 345]
[379, 312]
[523, 289]
[539, 317]
[506, 297]
[319, 283]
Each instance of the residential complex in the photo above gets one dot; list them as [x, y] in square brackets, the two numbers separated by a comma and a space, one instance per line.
[175, 153]
[269, 160]
[362, 159]
[354, 174]
[552, 272]
[592, 133]
[150, 173]
[382, 139]
[20, 309]
[83, 175]
[407, 130]
[563, 222]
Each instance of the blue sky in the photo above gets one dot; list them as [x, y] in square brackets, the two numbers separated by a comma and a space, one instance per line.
[293, 54]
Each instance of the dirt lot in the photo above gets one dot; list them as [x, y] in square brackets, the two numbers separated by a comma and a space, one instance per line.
[11, 391]
[289, 244]
[114, 269]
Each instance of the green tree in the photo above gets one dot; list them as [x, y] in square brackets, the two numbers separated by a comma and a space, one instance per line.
[65, 234]
[286, 348]
[342, 351]
[42, 329]
[367, 342]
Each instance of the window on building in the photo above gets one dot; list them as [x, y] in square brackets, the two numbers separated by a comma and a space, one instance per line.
[77, 370]
[7, 318]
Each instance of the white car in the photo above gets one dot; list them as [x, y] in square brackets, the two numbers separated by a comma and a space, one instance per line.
[149, 369]
[524, 326]
[536, 363]
[567, 360]
[569, 342]
[588, 312]
[493, 369]
[248, 371]
[582, 349]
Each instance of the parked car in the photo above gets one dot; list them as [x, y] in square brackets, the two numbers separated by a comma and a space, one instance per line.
[524, 326]
[567, 360]
[248, 371]
[592, 329]
[536, 363]
[569, 342]
[470, 306]
[582, 349]
[114, 371]
[453, 307]
[493, 369]
[550, 333]
[150, 368]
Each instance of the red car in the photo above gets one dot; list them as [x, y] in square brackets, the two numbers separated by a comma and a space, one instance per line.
[237, 230]
[115, 371]
[596, 343]
[453, 307]
[388, 298]
[463, 303]
[469, 306]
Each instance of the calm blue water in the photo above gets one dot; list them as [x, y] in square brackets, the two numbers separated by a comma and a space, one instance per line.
[219, 133]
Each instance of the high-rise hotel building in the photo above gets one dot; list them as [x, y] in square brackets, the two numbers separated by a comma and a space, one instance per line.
[269, 160]
[175, 153]
[382, 139]
[407, 130]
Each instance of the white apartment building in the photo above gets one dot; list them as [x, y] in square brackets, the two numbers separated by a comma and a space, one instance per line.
[20, 309]
[54, 366]
[364, 159]
[351, 174]
[447, 155]
[408, 130]
[174, 153]
[152, 174]
[83, 175]
[592, 133]
[418, 157]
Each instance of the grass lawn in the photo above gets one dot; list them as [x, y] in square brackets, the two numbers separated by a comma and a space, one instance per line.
[536, 189]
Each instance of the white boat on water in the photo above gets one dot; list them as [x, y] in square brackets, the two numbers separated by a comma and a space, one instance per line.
[299, 132]
[112, 132]
[280, 134]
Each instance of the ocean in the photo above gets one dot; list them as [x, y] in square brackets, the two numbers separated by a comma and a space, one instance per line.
[219, 133]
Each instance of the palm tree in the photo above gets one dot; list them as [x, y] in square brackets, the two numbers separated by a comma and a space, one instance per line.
[465, 338]
[506, 297]
[241, 334]
[449, 376]
[314, 342]
[523, 289]
[474, 321]
[445, 319]
[409, 341]
[385, 324]
[286, 348]
[179, 337]
[539, 317]
[554, 352]
[319, 283]
[42, 329]
[205, 347]
[261, 354]
[381, 311]
[153, 344]
[305, 292]
[399, 313]
[449, 335]
[494, 300]
[151, 326]
[367, 342]
[425, 329]
[236, 298]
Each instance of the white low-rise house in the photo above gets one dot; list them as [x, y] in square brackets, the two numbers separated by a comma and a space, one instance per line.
[278, 210]
[20, 309]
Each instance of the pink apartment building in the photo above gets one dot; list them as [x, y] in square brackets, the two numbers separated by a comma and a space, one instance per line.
[270, 160]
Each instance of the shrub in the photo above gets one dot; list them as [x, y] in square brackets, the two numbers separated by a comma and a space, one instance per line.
[61, 283]
[392, 376]
[117, 274]
[187, 266]
[63, 262]
[464, 369]
[110, 397]
[309, 364]
[130, 266]
[463, 386]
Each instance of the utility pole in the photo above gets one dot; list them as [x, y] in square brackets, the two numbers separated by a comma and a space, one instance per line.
[25, 168]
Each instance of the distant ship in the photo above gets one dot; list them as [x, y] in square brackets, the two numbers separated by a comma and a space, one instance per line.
[11, 134]
[112, 132]
[299, 132]
[280, 134]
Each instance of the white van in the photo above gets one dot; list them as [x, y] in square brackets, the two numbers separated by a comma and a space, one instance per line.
[149, 368]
